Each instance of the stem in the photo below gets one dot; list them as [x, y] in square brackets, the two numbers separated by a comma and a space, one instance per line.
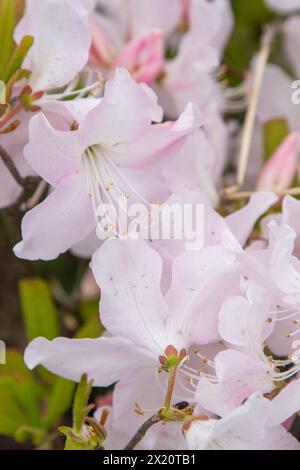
[27, 183]
[171, 383]
[235, 196]
[141, 432]
[34, 199]
[8, 162]
[252, 108]
[254, 98]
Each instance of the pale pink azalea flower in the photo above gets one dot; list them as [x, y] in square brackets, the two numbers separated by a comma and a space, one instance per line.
[59, 27]
[245, 370]
[188, 173]
[245, 326]
[272, 267]
[287, 330]
[151, 326]
[277, 270]
[143, 56]
[100, 163]
[256, 425]
[132, 34]
[53, 46]
[128, 36]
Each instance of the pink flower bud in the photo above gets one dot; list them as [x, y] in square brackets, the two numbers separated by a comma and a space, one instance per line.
[102, 51]
[186, 10]
[144, 56]
[279, 171]
[88, 287]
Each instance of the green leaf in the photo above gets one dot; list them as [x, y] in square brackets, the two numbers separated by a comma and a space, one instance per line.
[10, 13]
[80, 407]
[19, 56]
[251, 13]
[39, 312]
[59, 401]
[74, 442]
[275, 131]
[25, 432]
[92, 328]
[89, 307]
[76, 437]
[12, 417]
[19, 380]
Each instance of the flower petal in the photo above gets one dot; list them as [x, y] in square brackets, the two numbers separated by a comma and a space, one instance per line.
[64, 218]
[58, 30]
[245, 425]
[132, 306]
[139, 387]
[53, 154]
[159, 142]
[196, 295]
[241, 222]
[104, 360]
[239, 377]
[124, 113]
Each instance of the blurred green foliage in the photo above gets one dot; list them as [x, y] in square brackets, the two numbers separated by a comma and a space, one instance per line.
[32, 404]
[275, 131]
[250, 18]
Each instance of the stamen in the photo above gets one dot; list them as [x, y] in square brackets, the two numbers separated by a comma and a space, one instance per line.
[70, 92]
[205, 359]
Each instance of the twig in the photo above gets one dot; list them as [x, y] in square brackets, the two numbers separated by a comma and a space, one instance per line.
[141, 432]
[28, 183]
[251, 113]
[253, 103]
[235, 196]
[8, 162]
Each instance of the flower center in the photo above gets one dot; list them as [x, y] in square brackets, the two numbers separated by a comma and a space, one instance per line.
[106, 186]
[110, 190]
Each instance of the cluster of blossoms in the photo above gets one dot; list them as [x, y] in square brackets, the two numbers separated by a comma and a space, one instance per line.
[206, 340]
